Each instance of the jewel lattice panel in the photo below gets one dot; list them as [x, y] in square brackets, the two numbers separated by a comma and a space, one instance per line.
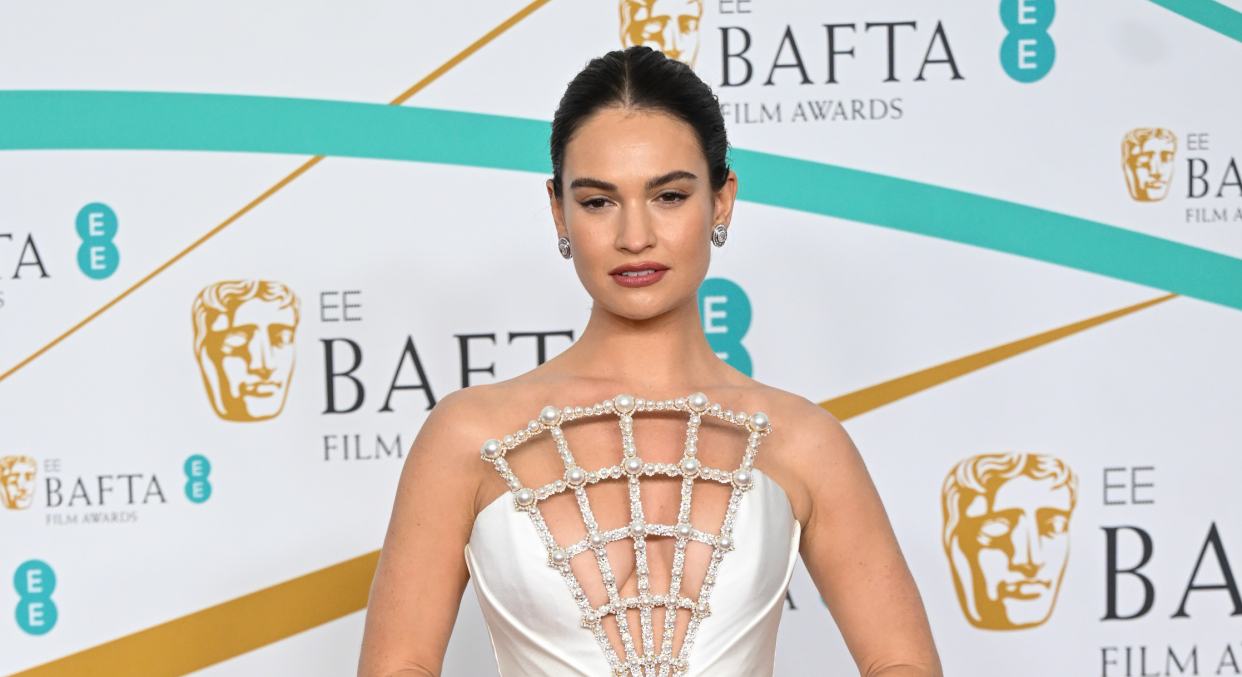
[632, 467]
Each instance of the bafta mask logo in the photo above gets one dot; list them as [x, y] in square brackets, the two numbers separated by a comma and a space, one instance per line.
[17, 481]
[243, 339]
[671, 26]
[1006, 533]
[1147, 159]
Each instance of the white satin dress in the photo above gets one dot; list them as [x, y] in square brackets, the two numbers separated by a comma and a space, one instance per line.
[536, 622]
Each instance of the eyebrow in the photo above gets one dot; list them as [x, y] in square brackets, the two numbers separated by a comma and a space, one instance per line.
[669, 178]
[586, 182]
[676, 174]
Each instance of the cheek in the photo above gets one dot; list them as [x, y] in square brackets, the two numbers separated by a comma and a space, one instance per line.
[1056, 550]
[234, 367]
[993, 564]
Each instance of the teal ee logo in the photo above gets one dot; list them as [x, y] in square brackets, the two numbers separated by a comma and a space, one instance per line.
[97, 257]
[35, 583]
[726, 319]
[1027, 53]
[197, 488]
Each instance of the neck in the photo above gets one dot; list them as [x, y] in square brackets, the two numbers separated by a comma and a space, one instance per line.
[661, 356]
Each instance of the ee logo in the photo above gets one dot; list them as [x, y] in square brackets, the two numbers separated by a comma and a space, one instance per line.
[726, 319]
[197, 488]
[35, 582]
[97, 257]
[1027, 53]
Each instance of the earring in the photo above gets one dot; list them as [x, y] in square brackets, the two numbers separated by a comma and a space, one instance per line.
[719, 235]
[563, 245]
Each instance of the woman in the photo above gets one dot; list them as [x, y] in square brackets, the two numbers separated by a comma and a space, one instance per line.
[627, 536]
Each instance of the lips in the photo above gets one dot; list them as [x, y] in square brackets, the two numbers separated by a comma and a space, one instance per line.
[260, 389]
[643, 274]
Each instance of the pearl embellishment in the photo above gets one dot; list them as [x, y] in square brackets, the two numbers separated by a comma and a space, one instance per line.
[697, 402]
[492, 449]
[550, 416]
[623, 403]
[630, 468]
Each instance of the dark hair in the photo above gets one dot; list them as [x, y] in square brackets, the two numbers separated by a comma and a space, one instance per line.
[643, 79]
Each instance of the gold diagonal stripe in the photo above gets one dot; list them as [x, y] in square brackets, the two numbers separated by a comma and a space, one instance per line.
[405, 96]
[247, 623]
[862, 401]
[226, 630]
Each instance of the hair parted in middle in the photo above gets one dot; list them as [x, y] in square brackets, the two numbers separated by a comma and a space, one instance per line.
[642, 79]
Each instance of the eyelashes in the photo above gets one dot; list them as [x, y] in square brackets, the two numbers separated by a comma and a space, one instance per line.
[667, 197]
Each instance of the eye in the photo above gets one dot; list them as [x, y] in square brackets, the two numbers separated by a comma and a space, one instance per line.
[671, 197]
[233, 341]
[1054, 525]
[993, 529]
[594, 203]
[281, 336]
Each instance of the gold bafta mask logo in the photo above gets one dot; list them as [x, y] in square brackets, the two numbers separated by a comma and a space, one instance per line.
[671, 26]
[1147, 158]
[1006, 533]
[243, 339]
[17, 481]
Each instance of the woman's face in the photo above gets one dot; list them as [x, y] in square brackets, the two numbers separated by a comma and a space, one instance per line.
[638, 209]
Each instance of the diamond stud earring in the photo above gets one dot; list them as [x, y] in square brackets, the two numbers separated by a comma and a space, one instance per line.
[566, 251]
[719, 235]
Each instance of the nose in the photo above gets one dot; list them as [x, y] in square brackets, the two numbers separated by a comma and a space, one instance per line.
[637, 233]
[260, 355]
[672, 40]
[1027, 550]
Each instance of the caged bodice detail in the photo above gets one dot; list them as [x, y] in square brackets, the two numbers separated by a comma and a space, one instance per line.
[650, 660]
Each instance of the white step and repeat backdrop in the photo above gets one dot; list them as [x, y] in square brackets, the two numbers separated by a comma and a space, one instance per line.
[921, 183]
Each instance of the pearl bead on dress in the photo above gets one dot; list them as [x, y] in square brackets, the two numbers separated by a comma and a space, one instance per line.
[697, 402]
[492, 449]
[623, 403]
[550, 416]
[525, 497]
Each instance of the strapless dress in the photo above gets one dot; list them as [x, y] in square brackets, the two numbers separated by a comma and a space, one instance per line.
[541, 622]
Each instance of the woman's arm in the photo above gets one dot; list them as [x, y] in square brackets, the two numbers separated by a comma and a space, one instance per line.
[422, 570]
[850, 550]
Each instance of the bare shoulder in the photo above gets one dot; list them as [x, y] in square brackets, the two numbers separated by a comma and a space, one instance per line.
[808, 450]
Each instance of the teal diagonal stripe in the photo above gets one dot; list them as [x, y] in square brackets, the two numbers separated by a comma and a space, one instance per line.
[37, 120]
[1220, 18]
[989, 223]
[258, 124]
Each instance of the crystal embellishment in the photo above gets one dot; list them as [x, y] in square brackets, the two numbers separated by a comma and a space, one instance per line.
[632, 468]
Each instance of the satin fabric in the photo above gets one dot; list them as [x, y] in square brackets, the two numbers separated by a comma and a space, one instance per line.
[536, 629]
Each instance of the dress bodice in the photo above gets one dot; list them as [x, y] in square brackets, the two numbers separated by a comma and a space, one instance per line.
[539, 626]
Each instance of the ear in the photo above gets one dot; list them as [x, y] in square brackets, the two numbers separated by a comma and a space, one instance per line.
[558, 211]
[724, 199]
